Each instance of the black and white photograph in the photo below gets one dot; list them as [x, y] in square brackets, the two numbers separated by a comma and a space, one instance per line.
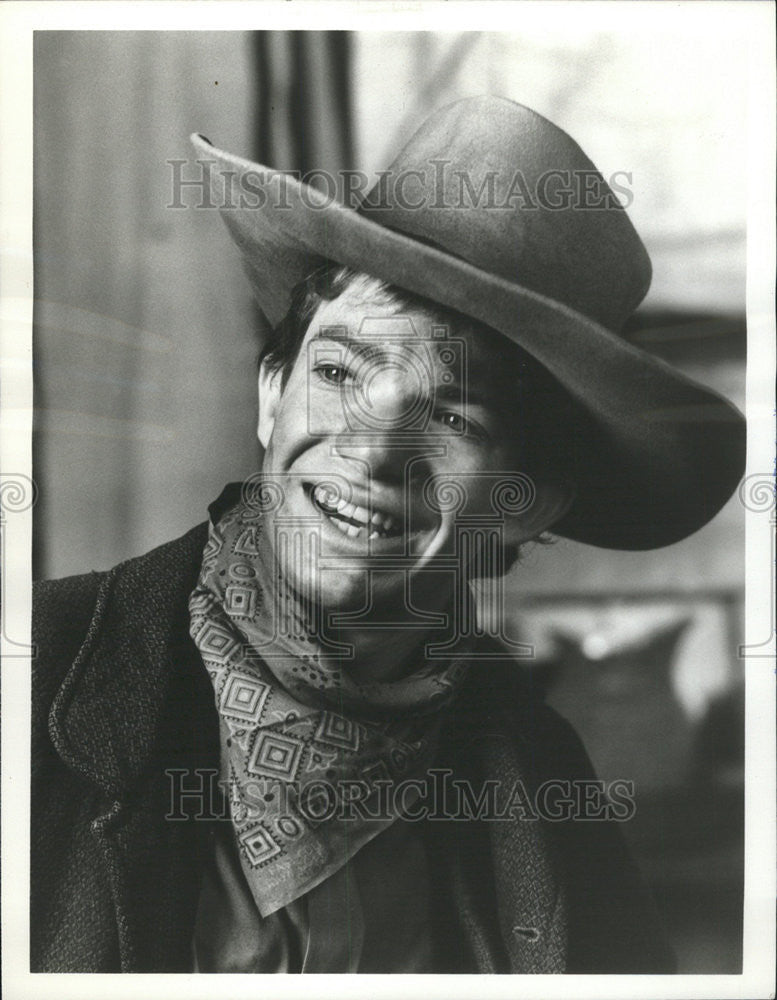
[388, 499]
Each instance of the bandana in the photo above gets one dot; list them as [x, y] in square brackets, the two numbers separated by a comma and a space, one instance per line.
[313, 760]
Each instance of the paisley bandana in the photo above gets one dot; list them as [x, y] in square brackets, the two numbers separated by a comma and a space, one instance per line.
[315, 763]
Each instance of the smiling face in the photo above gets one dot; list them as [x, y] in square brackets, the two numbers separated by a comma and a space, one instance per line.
[386, 414]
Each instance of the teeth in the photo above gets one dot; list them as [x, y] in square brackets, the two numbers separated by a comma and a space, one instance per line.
[330, 499]
[340, 524]
[384, 521]
[338, 509]
[360, 514]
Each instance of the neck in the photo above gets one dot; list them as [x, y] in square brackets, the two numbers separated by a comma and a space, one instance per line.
[392, 650]
[381, 654]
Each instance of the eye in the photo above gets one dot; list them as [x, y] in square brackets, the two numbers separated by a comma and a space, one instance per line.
[461, 425]
[454, 421]
[333, 374]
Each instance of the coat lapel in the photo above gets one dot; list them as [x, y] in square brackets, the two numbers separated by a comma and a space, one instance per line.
[530, 899]
[504, 874]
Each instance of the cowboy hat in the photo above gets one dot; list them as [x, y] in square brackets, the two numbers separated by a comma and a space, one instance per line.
[493, 211]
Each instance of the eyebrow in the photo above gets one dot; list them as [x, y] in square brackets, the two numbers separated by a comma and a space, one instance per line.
[362, 348]
[451, 393]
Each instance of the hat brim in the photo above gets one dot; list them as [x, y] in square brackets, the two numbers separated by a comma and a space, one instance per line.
[662, 453]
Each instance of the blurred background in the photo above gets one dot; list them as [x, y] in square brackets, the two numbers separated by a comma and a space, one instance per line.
[146, 341]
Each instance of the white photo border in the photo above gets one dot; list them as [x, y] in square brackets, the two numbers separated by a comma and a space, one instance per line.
[18, 20]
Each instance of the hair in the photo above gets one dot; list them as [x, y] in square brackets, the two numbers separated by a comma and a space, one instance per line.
[325, 284]
[546, 412]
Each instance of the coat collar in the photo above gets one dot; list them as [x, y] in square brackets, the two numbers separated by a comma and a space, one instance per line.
[105, 719]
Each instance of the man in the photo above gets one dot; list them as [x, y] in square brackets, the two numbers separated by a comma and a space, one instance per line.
[445, 383]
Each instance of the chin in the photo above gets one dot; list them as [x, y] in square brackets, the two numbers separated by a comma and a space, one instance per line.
[342, 591]
[331, 590]
[346, 584]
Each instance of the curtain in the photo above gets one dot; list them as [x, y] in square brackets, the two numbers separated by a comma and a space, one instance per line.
[146, 336]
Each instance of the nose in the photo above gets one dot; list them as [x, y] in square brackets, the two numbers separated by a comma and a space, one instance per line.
[391, 394]
[386, 420]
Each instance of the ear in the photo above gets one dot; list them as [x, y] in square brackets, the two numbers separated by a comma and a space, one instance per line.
[269, 398]
[551, 502]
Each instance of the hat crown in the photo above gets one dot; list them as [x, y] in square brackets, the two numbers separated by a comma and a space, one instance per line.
[503, 188]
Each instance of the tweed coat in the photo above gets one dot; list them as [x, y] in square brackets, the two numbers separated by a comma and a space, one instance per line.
[120, 697]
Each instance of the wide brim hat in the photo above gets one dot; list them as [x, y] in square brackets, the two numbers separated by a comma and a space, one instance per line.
[493, 211]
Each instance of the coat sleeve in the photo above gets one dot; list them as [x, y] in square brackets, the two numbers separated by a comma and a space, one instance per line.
[614, 926]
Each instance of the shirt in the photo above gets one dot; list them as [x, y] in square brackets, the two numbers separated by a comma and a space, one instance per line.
[371, 916]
